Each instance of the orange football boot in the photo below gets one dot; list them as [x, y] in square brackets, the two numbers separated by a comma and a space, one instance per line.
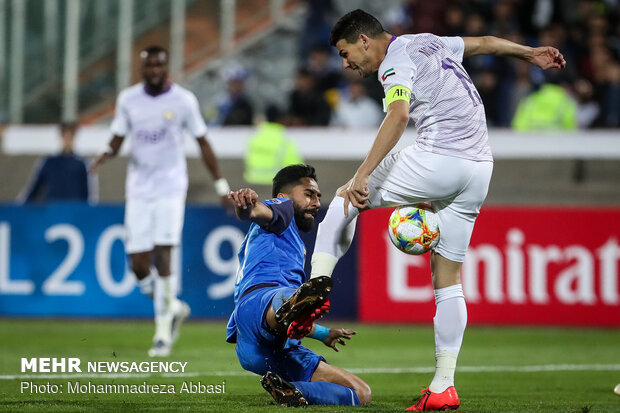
[447, 400]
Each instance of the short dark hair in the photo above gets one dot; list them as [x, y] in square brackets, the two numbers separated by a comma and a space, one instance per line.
[354, 23]
[273, 113]
[291, 174]
[155, 49]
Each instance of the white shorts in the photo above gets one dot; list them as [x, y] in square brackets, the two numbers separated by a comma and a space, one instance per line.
[151, 222]
[456, 187]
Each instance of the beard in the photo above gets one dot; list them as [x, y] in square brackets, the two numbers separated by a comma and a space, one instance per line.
[304, 223]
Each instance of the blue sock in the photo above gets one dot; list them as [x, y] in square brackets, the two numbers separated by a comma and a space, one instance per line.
[322, 392]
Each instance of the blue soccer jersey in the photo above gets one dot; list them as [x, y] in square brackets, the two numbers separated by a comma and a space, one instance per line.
[272, 254]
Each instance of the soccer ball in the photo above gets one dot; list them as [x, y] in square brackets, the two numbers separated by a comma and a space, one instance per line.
[414, 230]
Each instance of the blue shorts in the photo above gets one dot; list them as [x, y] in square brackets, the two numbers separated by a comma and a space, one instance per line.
[259, 350]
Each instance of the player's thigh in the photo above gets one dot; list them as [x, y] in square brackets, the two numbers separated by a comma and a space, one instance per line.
[412, 176]
[169, 215]
[285, 357]
[252, 310]
[457, 216]
[333, 374]
[139, 219]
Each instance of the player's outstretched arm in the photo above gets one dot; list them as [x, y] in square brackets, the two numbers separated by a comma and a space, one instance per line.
[114, 147]
[247, 207]
[545, 57]
[389, 134]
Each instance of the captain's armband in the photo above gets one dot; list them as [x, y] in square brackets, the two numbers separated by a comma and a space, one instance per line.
[396, 93]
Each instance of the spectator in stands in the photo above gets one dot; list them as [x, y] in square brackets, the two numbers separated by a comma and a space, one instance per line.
[521, 88]
[308, 107]
[320, 15]
[61, 177]
[357, 109]
[587, 108]
[455, 20]
[325, 70]
[269, 150]
[549, 108]
[235, 108]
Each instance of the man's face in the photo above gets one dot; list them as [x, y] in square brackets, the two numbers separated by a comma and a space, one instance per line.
[355, 56]
[67, 136]
[155, 69]
[306, 201]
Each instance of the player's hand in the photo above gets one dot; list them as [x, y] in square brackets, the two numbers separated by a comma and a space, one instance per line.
[243, 198]
[337, 336]
[547, 57]
[357, 193]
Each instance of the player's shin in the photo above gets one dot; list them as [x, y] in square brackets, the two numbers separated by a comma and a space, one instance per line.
[450, 322]
[165, 302]
[334, 237]
[147, 285]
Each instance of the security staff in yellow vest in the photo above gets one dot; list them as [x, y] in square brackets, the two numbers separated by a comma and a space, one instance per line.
[549, 108]
[269, 150]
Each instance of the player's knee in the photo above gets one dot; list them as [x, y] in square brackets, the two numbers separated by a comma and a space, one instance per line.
[140, 267]
[363, 392]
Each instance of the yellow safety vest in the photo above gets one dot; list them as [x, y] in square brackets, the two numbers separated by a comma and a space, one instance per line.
[268, 151]
[550, 108]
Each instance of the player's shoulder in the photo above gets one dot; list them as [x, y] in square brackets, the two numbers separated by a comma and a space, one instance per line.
[182, 92]
[132, 91]
[397, 53]
[422, 40]
[277, 201]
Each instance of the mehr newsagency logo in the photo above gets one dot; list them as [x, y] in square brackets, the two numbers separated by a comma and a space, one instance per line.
[73, 368]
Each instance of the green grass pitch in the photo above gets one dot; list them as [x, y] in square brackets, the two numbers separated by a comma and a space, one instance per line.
[500, 369]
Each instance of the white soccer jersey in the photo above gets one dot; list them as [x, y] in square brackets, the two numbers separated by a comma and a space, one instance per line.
[445, 105]
[155, 123]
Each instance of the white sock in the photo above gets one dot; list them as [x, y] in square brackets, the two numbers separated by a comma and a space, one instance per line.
[450, 321]
[165, 303]
[333, 238]
[147, 285]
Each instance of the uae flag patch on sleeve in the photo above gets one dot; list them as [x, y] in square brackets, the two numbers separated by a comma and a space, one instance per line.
[388, 73]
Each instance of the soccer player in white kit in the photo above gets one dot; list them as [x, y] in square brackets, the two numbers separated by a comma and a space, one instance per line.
[448, 165]
[155, 113]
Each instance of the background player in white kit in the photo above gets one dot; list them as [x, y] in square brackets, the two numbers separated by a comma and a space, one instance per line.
[450, 163]
[155, 113]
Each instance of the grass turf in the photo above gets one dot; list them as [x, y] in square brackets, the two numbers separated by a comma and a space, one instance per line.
[376, 354]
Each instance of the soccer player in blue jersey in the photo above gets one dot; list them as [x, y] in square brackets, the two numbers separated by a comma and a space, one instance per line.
[270, 297]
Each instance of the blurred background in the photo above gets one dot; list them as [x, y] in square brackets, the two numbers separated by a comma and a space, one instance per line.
[546, 242]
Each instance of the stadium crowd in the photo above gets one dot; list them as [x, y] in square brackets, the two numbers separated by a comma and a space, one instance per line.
[585, 95]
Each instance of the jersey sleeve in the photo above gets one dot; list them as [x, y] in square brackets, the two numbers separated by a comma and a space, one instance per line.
[283, 213]
[195, 123]
[396, 76]
[456, 44]
[120, 124]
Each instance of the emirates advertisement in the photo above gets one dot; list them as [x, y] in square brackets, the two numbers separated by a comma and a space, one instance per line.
[525, 265]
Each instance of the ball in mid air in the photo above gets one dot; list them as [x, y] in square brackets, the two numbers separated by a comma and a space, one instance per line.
[414, 230]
